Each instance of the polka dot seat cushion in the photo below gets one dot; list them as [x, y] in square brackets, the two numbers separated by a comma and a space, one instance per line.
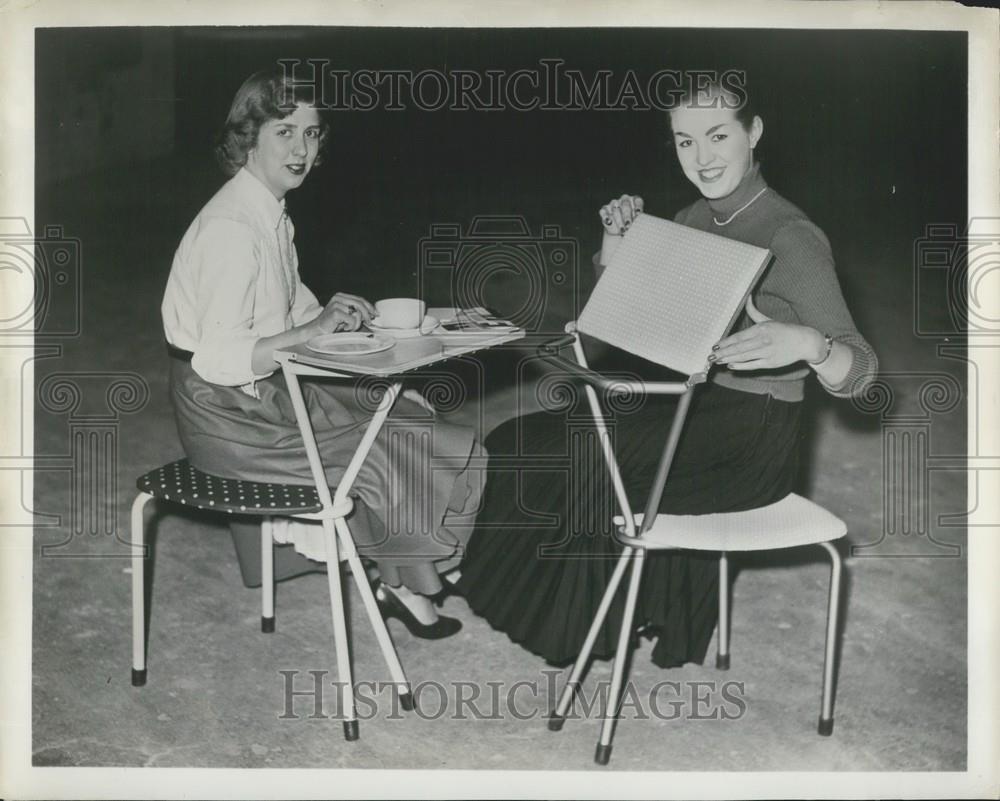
[181, 483]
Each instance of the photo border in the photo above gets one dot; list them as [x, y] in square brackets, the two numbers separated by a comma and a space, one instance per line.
[19, 779]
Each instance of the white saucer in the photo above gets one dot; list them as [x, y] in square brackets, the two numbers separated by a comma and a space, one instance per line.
[428, 325]
[350, 344]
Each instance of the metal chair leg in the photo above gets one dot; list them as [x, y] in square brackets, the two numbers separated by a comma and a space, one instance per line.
[139, 589]
[340, 630]
[558, 715]
[603, 753]
[375, 616]
[722, 657]
[266, 577]
[825, 727]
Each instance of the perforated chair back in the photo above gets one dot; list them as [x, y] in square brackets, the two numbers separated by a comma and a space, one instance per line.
[668, 295]
[670, 292]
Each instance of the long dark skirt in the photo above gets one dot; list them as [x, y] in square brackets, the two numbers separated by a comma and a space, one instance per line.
[416, 495]
[542, 553]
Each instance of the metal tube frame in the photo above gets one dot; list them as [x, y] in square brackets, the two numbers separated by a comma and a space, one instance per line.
[825, 727]
[722, 657]
[634, 555]
[139, 551]
[335, 527]
[339, 546]
[266, 576]
[581, 370]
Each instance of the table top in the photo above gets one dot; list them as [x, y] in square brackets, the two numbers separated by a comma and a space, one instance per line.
[406, 354]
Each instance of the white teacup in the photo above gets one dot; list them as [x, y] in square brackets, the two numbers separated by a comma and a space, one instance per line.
[400, 312]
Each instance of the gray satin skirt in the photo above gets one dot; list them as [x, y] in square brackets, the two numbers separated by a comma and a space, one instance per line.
[416, 497]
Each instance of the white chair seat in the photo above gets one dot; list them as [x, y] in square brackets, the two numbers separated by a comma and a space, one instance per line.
[790, 522]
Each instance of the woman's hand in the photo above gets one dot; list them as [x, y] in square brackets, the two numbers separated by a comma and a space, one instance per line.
[350, 304]
[618, 215]
[343, 313]
[336, 317]
[769, 344]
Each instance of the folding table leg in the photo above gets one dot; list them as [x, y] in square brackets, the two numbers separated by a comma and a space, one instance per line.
[722, 657]
[825, 727]
[603, 753]
[340, 630]
[375, 616]
[558, 716]
[340, 499]
[139, 589]
[266, 577]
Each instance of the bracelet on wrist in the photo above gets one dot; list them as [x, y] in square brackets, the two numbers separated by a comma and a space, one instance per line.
[829, 349]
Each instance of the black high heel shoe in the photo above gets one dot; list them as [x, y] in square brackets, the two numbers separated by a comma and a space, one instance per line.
[391, 606]
[447, 591]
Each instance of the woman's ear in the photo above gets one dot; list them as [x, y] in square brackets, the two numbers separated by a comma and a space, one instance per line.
[756, 131]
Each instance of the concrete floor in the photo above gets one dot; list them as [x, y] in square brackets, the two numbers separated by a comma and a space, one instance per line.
[216, 692]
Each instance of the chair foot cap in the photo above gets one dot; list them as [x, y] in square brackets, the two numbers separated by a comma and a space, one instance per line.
[351, 730]
[603, 754]
[825, 727]
[556, 722]
[722, 661]
[406, 702]
[138, 677]
[267, 625]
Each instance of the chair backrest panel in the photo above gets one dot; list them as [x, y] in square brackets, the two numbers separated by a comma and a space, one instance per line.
[670, 292]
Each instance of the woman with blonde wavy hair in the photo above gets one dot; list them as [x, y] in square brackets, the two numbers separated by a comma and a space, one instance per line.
[233, 297]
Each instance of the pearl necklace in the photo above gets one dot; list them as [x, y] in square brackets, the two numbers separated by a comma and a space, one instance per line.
[741, 208]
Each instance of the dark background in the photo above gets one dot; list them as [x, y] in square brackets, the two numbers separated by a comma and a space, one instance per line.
[865, 130]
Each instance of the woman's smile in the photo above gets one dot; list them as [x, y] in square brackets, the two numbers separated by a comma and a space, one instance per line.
[711, 175]
[713, 147]
[286, 150]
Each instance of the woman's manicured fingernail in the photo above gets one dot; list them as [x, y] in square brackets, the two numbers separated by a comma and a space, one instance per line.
[715, 347]
[712, 358]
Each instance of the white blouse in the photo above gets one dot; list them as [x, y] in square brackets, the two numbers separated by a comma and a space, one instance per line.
[234, 279]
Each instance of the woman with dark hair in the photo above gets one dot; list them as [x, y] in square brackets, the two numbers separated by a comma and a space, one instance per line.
[233, 297]
[739, 449]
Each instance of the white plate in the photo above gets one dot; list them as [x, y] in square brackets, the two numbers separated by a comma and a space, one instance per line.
[350, 344]
[428, 325]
